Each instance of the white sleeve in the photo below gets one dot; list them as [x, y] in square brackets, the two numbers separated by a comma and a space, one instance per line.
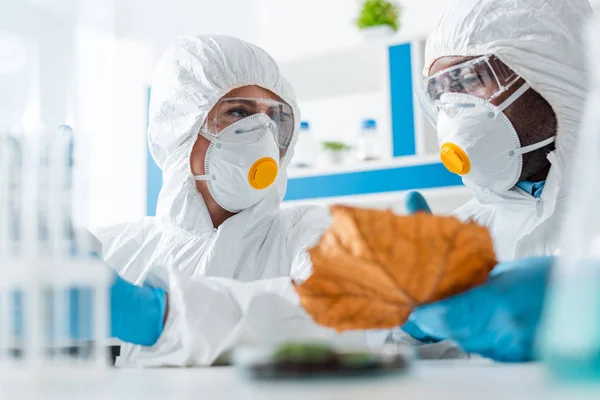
[209, 316]
[305, 226]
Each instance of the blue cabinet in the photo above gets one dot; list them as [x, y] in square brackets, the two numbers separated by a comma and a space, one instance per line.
[401, 100]
[386, 180]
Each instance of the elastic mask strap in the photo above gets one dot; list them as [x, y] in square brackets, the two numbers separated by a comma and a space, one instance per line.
[535, 146]
[204, 177]
[208, 136]
[211, 139]
[513, 97]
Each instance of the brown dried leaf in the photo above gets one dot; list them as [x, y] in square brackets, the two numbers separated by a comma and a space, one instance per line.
[371, 268]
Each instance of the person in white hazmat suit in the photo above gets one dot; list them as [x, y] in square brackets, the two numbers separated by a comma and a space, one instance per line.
[223, 125]
[506, 85]
[505, 88]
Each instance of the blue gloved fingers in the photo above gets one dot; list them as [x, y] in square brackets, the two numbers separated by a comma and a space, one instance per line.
[499, 319]
[506, 339]
[479, 323]
[522, 288]
[413, 330]
[525, 264]
[137, 313]
[476, 322]
[415, 202]
[447, 319]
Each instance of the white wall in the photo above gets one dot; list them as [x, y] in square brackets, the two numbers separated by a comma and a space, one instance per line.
[158, 22]
[293, 28]
[119, 43]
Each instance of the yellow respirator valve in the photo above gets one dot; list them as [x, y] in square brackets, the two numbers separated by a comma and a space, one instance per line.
[455, 159]
[263, 173]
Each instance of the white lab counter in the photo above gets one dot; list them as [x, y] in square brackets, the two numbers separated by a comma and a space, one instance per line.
[435, 380]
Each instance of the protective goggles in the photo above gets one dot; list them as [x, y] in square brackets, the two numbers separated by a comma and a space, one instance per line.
[484, 77]
[233, 109]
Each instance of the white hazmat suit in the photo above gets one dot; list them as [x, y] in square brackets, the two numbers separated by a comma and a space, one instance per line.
[541, 40]
[225, 285]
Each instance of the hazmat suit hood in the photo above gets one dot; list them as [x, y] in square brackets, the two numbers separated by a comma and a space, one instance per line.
[191, 77]
[542, 41]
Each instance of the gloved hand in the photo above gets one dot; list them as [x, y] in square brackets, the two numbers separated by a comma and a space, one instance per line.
[498, 319]
[415, 202]
[136, 313]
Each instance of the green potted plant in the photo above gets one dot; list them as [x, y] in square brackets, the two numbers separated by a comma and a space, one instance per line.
[378, 18]
[336, 152]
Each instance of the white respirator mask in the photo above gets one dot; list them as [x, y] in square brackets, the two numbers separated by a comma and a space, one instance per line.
[478, 141]
[242, 162]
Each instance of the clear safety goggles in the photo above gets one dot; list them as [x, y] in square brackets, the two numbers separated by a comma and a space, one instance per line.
[233, 109]
[484, 77]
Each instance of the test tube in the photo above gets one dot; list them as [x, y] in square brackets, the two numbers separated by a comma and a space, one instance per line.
[29, 257]
[14, 314]
[5, 191]
[79, 295]
[88, 253]
[38, 181]
[56, 238]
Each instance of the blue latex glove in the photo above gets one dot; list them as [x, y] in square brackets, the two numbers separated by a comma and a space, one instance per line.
[498, 319]
[137, 313]
[415, 202]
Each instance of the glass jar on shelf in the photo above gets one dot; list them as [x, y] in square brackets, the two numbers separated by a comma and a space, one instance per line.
[368, 141]
[305, 150]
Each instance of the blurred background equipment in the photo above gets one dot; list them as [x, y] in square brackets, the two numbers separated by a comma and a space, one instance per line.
[368, 141]
[305, 152]
[89, 64]
[53, 289]
[336, 153]
[570, 334]
[378, 18]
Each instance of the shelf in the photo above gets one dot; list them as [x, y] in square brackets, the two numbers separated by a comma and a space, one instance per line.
[399, 175]
[351, 70]
[336, 74]
[363, 166]
[357, 48]
[442, 201]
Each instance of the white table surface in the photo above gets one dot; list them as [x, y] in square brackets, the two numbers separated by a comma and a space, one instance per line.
[439, 380]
